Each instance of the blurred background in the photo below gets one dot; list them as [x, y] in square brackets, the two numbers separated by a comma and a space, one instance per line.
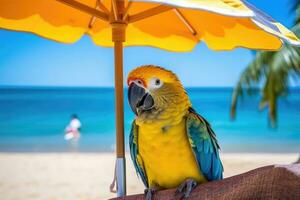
[251, 99]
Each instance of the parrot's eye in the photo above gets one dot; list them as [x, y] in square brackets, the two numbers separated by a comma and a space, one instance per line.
[155, 83]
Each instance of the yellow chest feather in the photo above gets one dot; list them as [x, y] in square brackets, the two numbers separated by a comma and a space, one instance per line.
[167, 156]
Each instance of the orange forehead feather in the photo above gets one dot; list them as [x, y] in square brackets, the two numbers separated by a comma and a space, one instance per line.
[146, 72]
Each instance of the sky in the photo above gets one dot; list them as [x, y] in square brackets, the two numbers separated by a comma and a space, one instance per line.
[29, 60]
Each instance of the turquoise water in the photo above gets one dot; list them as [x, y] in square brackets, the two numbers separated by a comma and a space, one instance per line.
[33, 119]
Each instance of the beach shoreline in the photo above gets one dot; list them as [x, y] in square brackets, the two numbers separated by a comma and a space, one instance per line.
[76, 176]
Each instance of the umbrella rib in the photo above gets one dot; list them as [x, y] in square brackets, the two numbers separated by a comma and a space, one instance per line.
[185, 22]
[127, 10]
[115, 10]
[103, 7]
[93, 18]
[149, 13]
[84, 8]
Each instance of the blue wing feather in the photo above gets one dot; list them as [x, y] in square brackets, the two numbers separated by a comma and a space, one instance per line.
[133, 145]
[205, 147]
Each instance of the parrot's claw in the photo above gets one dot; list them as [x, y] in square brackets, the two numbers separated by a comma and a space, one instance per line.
[186, 188]
[149, 192]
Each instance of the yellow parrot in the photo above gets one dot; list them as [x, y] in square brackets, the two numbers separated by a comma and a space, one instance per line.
[170, 144]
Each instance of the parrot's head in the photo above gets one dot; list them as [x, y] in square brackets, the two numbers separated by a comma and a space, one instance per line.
[156, 93]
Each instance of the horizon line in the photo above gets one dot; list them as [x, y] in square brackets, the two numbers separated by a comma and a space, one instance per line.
[105, 87]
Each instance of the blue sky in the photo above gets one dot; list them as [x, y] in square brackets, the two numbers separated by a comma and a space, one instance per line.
[28, 60]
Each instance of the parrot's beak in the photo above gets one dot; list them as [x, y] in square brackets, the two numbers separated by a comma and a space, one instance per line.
[139, 99]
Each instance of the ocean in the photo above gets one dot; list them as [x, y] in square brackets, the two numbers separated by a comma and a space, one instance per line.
[33, 119]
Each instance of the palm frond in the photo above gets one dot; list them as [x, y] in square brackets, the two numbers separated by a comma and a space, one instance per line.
[274, 69]
[251, 77]
[269, 98]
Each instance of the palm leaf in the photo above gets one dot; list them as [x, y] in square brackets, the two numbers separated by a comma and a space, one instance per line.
[274, 68]
[250, 78]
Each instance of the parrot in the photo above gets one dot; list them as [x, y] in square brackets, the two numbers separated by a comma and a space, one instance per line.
[171, 145]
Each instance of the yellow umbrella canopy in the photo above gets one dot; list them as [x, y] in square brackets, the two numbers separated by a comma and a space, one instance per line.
[174, 25]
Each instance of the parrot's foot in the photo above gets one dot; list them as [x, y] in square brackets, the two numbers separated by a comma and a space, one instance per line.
[186, 188]
[149, 192]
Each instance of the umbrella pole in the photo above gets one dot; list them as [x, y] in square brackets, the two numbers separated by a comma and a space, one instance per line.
[118, 37]
[120, 163]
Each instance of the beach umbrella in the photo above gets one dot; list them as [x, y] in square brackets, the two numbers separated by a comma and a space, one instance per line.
[175, 25]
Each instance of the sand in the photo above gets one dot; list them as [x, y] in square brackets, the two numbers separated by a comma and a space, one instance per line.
[78, 176]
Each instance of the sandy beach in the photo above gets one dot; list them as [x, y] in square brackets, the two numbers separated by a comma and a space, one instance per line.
[76, 176]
